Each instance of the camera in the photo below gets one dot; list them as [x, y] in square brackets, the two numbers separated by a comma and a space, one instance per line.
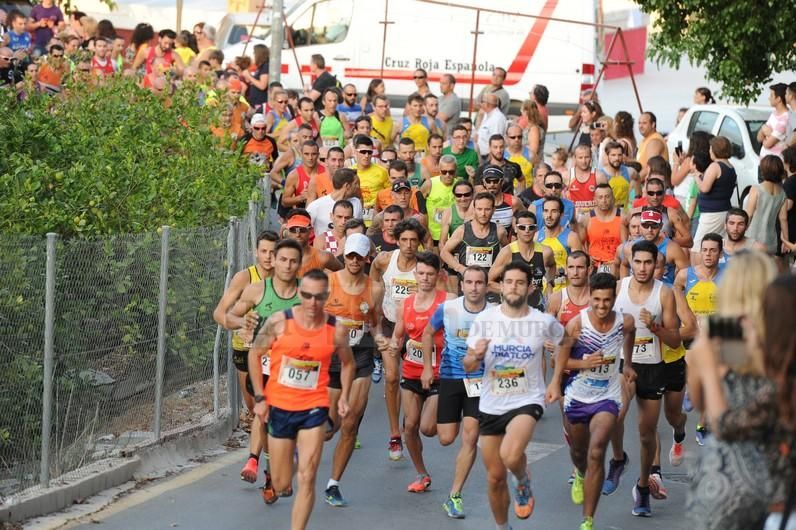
[729, 331]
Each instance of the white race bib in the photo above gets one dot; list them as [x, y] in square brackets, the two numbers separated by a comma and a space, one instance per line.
[356, 330]
[478, 256]
[508, 381]
[401, 288]
[302, 375]
[602, 372]
[414, 353]
[367, 214]
[644, 349]
[265, 361]
[472, 386]
[438, 215]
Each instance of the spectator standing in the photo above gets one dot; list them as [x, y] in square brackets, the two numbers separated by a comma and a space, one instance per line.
[789, 161]
[493, 122]
[496, 88]
[623, 133]
[773, 134]
[257, 93]
[101, 64]
[421, 83]
[540, 94]
[590, 111]
[139, 45]
[10, 72]
[652, 142]
[715, 190]
[375, 88]
[52, 70]
[450, 106]
[19, 40]
[699, 142]
[183, 47]
[534, 132]
[205, 41]
[45, 19]
[703, 96]
[323, 80]
[766, 205]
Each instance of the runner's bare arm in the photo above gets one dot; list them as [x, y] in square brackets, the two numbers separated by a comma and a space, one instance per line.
[330, 263]
[445, 227]
[627, 347]
[283, 142]
[236, 315]
[679, 280]
[428, 346]
[562, 360]
[289, 197]
[450, 247]
[503, 236]
[273, 327]
[312, 193]
[680, 257]
[681, 225]
[347, 366]
[669, 332]
[554, 304]
[574, 241]
[502, 259]
[230, 296]
[377, 269]
[397, 339]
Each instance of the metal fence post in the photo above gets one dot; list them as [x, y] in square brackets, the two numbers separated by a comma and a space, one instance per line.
[252, 221]
[161, 359]
[47, 382]
[217, 342]
[232, 380]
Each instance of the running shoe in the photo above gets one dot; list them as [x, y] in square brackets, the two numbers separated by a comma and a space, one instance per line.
[657, 490]
[357, 444]
[571, 478]
[641, 503]
[287, 493]
[577, 489]
[616, 468]
[249, 471]
[701, 434]
[687, 405]
[378, 370]
[587, 524]
[422, 484]
[676, 454]
[269, 493]
[523, 497]
[454, 507]
[396, 448]
[334, 497]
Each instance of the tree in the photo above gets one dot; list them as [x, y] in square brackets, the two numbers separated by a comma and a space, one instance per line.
[740, 43]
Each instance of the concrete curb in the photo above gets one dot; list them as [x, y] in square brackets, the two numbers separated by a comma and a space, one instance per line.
[144, 461]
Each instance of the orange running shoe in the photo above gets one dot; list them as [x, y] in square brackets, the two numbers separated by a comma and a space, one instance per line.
[249, 471]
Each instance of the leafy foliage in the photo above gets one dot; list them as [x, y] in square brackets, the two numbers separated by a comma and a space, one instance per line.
[739, 43]
[114, 159]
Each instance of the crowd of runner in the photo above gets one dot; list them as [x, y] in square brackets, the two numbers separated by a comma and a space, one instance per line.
[453, 261]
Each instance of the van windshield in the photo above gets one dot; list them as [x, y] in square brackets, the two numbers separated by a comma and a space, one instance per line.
[240, 33]
[753, 126]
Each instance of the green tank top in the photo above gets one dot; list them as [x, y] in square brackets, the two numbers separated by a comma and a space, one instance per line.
[439, 197]
[456, 221]
[271, 302]
[416, 178]
[331, 131]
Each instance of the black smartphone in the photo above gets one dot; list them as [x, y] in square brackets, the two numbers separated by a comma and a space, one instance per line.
[679, 149]
[730, 332]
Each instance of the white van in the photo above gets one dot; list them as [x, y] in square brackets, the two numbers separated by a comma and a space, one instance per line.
[349, 35]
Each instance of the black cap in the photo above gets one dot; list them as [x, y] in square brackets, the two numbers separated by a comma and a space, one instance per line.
[401, 184]
[492, 171]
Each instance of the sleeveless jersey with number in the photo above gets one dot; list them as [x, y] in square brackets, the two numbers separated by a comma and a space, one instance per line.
[418, 132]
[280, 120]
[300, 360]
[381, 244]
[331, 131]
[315, 130]
[700, 294]
[415, 323]
[668, 268]
[602, 382]
[537, 269]
[314, 262]
[647, 348]
[504, 213]
[355, 313]
[620, 185]
[456, 220]
[479, 251]
[396, 286]
[254, 277]
[582, 193]
[604, 237]
[439, 197]
[569, 309]
[455, 321]
[560, 247]
[513, 363]
[330, 242]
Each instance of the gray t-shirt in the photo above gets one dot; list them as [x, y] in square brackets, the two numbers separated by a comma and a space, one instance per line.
[450, 106]
[504, 101]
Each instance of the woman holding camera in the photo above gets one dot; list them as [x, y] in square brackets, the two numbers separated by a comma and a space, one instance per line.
[729, 487]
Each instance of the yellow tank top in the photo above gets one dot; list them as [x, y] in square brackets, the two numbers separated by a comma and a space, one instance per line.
[254, 277]
[560, 254]
[418, 132]
[642, 148]
[621, 189]
[382, 130]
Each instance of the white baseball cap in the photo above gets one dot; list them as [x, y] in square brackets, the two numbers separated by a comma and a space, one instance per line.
[357, 244]
[258, 119]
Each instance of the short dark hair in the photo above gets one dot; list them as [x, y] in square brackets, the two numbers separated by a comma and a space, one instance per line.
[435, 136]
[654, 180]
[462, 182]
[789, 157]
[318, 60]
[316, 274]
[266, 235]
[603, 280]
[602, 186]
[496, 138]
[407, 141]
[168, 33]
[480, 270]
[429, 258]
[713, 236]
[398, 165]
[289, 243]
[484, 195]
[652, 117]
[335, 149]
[415, 98]
[611, 145]
[523, 214]
[518, 266]
[577, 254]
[361, 118]
[345, 203]
[771, 168]
[361, 139]
[645, 246]
[305, 99]
[740, 212]
[553, 174]
[541, 94]
[409, 225]
[354, 223]
[342, 176]
[556, 200]
[779, 90]
[394, 208]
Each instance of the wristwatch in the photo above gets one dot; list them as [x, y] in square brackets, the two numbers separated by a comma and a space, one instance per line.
[259, 398]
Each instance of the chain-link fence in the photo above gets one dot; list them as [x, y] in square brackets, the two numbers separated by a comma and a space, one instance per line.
[107, 345]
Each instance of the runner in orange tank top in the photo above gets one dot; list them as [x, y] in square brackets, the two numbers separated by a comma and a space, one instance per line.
[603, 230]
[302, 341]
[420, 371]
[299, 227]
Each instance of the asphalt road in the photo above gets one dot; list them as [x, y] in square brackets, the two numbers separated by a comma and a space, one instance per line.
[212, 496]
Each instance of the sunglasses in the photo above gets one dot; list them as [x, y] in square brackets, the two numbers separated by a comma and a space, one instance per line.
[322, 158]
[258, 128]
[459, 137]
[281, 101]
[351, 94]
[463, 195]
[526, 228]
[320, 297]
[655, 193]
[354, 257]
[514, 137]
[420, 77]
[447, 171]
[365, 151]
[649, 226]
[492, 180]
[554, 186]
[5, 58]
[298, 229]
[56, 55]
